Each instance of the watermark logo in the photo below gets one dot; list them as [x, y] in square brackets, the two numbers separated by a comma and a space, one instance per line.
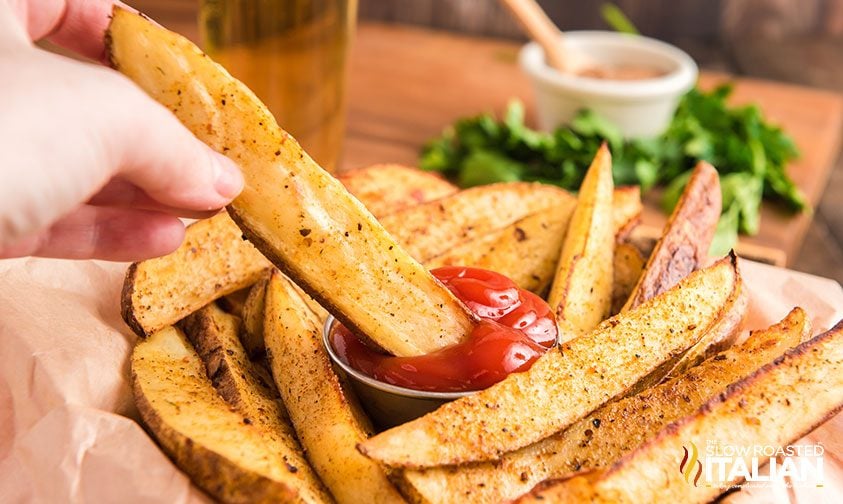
[690, 461]
[729, 466]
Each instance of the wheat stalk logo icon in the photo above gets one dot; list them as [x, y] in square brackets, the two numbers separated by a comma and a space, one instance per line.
[686, 467]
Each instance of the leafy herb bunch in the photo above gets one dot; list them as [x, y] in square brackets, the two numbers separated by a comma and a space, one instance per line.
[750, 154]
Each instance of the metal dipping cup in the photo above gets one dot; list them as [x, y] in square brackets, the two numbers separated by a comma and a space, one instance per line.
[388, 405]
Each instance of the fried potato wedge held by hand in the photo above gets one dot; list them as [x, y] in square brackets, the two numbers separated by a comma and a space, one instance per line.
[686, 238]
[776, 405]
[328, 420]
[213, 261]
[231, 460]
[609, 432]
[581, 293]
[565, 384]
[388, 188]
[295, 213]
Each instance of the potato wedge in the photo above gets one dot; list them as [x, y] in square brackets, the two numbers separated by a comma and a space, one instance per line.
[387, 188]
[428, 229]
[626, 210]
[525, 251]
[295, 213]
[232, 460]
[686, 238]
[581, 293]
[213, 261]
[253, 315]
[627, 266]
[609, 432]
[328, 420]
[565, 384]
[719, 336]
[528, 249]
[775, 405]
[247, 386]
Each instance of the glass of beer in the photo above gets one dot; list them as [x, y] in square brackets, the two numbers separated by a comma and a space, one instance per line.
[292, 54]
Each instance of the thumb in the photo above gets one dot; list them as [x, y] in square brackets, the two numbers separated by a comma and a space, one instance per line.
[162, 158]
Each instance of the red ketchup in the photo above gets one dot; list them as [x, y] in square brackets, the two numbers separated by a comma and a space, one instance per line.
[516, 327]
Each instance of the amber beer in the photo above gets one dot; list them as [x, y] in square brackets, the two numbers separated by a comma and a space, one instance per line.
[292, 54]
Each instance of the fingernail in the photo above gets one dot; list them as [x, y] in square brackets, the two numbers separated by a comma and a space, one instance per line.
[229, 181]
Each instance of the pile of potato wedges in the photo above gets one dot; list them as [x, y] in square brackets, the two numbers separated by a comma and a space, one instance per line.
[232, 379]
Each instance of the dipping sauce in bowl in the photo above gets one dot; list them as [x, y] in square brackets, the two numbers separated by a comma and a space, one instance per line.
[621, 72]
[516, 327]
[632, 81]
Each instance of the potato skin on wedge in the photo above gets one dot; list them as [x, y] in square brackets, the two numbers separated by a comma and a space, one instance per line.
[299, 216]
[230, 459]
[581, 293]
[775, 405]
[566, 383]
[609, 432]
[683, 246]
[327, 418]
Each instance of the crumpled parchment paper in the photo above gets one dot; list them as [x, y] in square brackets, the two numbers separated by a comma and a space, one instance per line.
[69, 429]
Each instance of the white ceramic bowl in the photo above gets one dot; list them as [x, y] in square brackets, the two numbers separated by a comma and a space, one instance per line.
[640, 108]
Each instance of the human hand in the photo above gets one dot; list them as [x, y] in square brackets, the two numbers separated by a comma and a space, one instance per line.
[91, 167]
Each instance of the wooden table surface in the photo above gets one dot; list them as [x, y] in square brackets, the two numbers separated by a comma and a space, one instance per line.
[407, 83]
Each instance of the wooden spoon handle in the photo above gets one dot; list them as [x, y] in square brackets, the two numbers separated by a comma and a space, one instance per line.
[540, 28]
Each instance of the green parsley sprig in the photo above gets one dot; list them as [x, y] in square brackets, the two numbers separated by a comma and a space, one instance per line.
[750, 154]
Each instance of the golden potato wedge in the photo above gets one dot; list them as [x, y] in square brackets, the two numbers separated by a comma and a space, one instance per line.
[528, 249]
[232, 460]
[718, 336]
[387, 188]
[581, 293]
[525, 251]
[627, 265]
[428, 229]
[253, 334]
[213, 261]
[295, 213]
[247, 386]
[686, 238]
[609, 432]
[253, 315]
[565, 384]
[626, 210]
[327, 418]
[773, 406]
